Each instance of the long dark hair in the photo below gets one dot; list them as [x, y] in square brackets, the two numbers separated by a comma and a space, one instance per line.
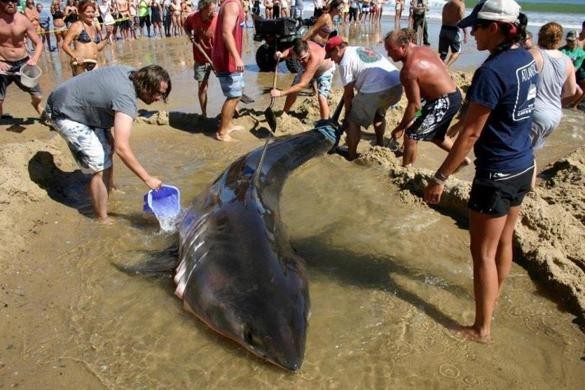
[147, 81]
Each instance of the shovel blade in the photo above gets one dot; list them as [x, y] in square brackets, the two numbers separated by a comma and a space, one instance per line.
[270, 118]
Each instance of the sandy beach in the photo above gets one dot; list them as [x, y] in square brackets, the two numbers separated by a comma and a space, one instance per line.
[56, 280]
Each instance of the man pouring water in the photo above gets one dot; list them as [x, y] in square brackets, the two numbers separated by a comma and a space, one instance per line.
[84, 120]
[14, 28]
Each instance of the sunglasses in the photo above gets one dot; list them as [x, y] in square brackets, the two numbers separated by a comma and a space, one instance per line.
[481, 23]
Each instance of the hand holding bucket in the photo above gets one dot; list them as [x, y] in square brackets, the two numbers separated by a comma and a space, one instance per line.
[164, 203]
[30, 75]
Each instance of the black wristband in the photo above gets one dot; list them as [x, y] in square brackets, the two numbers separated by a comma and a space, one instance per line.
[440, 176]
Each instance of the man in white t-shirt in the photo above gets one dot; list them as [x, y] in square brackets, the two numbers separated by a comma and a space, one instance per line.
[377, 82]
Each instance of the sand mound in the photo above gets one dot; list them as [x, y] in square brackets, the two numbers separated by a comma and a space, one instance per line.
[564, 184]
[18, 190]
[550, 233]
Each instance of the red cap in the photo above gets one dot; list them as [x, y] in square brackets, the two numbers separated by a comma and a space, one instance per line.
[332, 43]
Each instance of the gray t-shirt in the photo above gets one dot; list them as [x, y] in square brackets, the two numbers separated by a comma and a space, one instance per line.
[92, 98]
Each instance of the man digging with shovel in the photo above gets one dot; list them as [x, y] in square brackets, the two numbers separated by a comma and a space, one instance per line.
[200, 28]
[316, 67]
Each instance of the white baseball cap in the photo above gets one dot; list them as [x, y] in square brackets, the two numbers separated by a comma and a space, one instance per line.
[497, 10]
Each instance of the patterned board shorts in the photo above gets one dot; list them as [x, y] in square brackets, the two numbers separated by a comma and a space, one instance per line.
[201, 72]
[324, 81]
[89, 146]
[435, 118]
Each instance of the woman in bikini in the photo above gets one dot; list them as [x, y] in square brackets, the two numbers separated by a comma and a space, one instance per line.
[398, 14]
[324, 26]
[175, 7]
[58, 22]
[87, 40]
[71, 13]
[185, 11]
[268, 9]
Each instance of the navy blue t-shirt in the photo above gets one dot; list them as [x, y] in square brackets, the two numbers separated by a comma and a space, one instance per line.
[505, 83]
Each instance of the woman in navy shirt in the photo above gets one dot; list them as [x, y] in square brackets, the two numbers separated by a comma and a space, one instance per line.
[497, 125]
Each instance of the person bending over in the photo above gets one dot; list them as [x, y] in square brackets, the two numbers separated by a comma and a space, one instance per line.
[316, 67]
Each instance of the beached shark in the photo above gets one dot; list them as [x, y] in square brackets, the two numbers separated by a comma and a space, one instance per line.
[238, 273]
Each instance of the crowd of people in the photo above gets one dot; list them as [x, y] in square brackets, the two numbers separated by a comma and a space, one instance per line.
[514, 101]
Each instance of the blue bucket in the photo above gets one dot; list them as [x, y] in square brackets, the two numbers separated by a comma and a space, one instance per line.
[164, 203]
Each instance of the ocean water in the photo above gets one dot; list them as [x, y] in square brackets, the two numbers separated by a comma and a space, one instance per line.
[557, 11]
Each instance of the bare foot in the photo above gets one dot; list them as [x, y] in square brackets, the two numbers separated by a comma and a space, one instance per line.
[472, 334]
[106, 221]
[116, 190]
[224, 138]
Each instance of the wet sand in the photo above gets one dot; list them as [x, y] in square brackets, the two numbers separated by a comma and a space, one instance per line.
[381, 301]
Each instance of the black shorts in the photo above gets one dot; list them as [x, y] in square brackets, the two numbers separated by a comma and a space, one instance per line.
[142, 20]
[435, 117]
[449, 37]
[12, 76]
[495, 193]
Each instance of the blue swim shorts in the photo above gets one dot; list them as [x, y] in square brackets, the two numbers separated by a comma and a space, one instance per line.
[232, 84]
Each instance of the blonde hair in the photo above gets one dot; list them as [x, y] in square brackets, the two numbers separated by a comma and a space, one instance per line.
[550, 35]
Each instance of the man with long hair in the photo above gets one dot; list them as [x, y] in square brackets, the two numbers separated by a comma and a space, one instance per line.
[85, 121]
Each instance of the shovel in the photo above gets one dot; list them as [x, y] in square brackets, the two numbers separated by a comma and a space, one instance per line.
[245, 98]
[269, 114]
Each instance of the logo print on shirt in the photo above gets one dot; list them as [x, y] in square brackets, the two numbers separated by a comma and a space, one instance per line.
[367, 55]
[526, 92]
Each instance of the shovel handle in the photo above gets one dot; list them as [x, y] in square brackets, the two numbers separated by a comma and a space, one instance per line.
[337, 113]
[198, 47]
[275, 76]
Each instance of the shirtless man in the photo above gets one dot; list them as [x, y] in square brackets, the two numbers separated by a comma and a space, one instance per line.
[424, 76]
[450, 36]
[311, 56]
[14, 28]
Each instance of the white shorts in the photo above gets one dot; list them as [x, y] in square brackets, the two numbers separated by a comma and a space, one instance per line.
[89, 146]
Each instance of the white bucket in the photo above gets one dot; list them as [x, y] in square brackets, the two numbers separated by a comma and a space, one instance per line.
[29, 75]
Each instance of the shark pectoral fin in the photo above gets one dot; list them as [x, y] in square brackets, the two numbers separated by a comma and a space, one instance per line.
[157, 263]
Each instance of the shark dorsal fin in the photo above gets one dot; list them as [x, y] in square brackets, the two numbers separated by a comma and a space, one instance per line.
[259, 167]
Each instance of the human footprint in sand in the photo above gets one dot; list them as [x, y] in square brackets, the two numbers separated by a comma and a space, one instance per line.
[227, 62]
[425, 78]
[112, 100]
[499, 128]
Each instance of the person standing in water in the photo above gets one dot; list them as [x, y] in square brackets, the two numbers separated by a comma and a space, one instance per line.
[85, 120]
[497, 125]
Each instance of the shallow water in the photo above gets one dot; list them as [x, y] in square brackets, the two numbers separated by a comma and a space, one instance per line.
[387, 277]
[381, 300]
